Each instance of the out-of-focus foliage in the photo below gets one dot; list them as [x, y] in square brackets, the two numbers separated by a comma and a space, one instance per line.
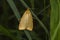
[11, 12]
[55, 20]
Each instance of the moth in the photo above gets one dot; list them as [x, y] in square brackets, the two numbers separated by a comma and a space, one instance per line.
[26, 22]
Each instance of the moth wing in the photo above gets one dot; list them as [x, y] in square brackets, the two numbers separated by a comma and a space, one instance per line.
[30, 21]
[23, 22]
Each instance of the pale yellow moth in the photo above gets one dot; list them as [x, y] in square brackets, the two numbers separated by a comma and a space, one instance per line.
[26, 22]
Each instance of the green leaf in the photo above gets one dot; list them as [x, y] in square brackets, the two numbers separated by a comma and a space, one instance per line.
[54, 20]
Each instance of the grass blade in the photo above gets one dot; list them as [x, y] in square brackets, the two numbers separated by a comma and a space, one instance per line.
[12, 5]
[40, 22]
[54, 20]
[55, 32]
[7, 32]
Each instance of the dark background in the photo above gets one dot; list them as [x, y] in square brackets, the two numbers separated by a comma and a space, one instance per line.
[9, 23]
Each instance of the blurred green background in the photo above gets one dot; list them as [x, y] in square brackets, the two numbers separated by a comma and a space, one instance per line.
[12, 10]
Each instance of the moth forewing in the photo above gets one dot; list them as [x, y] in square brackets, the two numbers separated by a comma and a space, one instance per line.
[29, 22]
[23, 22]
[26, 21]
